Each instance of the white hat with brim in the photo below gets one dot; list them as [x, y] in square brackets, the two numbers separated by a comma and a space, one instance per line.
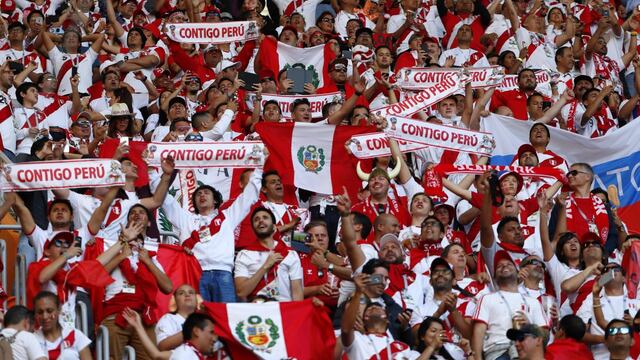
[119, 109]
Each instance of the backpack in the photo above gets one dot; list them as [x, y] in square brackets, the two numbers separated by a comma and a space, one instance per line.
[6, 352]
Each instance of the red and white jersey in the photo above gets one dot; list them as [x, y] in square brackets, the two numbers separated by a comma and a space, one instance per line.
[120, 284]
[572, 113]
[62, 68]
[39, 237]
[85, 205]
[605, 67]
[124, 55]
[67, 346]
[25, 119]
[465, 57]
[7, 128]
[551, 159]
[278, 285]
[24, 57]
[374, 346]
[600, 124]
[57, 108]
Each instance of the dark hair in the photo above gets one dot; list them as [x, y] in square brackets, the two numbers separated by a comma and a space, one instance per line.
[217, 197]
[34, 13]
[370, 266]
[326, 107]
[217, 109]
[195, 320]
[172, 126]
[505, 220]
[17, 314]
[139, 31]
[447, 249]
[560, 53]
[262, 208]
[23, 88]
[263, 182]
[16, 24]
[600, 191]
[198, 118]
[421, 193]
[617, 321]
[573, 327]
[543, 126]
[564, 238]
[46, 294]
[149, 214]
[60, 201]
[525, 70]
[271, 102]
[382, 47]
[503, 55]
[362, 220]
[107, 71]
[299, 101]
[431, 217]
[424, 326]
[315, 223]
[530, 98]
[586, 93]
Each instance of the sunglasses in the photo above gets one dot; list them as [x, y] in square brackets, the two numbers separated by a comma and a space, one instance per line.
[592, 243]
[576, 172]
[524, 336]
[267, 79]
[533, 262]
[62, 244]
[618, 330]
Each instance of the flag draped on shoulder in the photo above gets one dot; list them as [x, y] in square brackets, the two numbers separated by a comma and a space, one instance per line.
[275, 56]
[274, 330]
[312, 157]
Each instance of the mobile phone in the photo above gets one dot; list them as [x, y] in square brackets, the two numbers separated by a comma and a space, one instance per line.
[301, 236]
[297, 75]
[74, 71]
[250, 80]
[78, 242]
[124, 140]
[38, 20]
[546, 104]
[606, 278]
[301, 247]
[375, 279]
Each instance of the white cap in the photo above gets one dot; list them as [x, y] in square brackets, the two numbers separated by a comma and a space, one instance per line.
[224, 64]
[106, 64]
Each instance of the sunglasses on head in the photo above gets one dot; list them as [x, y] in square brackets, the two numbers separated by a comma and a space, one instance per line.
[592, 243]
[618, 330]
[576, 172]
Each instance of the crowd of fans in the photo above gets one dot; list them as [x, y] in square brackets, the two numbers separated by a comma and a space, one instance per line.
[499, 267]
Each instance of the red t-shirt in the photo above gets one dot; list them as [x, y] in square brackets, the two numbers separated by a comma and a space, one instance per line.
[516, 100]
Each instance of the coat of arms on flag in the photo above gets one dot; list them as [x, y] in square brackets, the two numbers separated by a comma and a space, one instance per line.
[311, 158]
[258, 334]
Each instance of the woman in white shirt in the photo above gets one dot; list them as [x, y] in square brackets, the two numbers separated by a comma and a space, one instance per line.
[59, 342]
[169, 327]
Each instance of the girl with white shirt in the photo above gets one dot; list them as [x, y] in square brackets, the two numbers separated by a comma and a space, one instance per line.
[64, 343]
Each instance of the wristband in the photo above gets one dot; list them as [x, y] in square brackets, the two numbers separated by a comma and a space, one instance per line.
[330, 268]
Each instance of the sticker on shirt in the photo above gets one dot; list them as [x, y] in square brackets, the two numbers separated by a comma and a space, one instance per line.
[205, 234]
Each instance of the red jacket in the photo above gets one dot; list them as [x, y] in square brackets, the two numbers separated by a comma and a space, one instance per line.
[567, 349]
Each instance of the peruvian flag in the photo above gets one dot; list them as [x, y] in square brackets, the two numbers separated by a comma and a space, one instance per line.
[312, 156]
[275, 56]
[274, 330]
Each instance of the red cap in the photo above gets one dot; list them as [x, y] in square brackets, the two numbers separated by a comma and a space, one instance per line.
[153, 28]
[591, 237]
[450, 210]
[157, 72]
[526, 148]
[266, 73]
[7, 6]
[65, 236]
[501, 255]
[518, 179]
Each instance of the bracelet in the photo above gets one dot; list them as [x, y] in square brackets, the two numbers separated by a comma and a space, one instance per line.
[633, 33]
[595, 306]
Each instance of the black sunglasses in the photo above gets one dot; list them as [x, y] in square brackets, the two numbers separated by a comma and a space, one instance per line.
[533, 262]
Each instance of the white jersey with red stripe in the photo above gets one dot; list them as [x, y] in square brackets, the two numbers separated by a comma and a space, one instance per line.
[57, 108]
[63, 64]
[374, 346]
[7, 130]
[465, 57]
[24, 57]
[23, 120]
[125, 54]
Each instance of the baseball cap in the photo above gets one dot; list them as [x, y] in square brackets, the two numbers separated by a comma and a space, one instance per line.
[501, 255]
[226, 16]
[387, 238]
[225, 64]
[106, 64]
[527, 329]
[591, 237]
[7, 7]
[177, 99]
[504, 174]
[526, 148]
[583, 77]
[64, 236]
[439, 262]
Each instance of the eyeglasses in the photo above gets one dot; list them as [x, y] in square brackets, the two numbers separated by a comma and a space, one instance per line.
[328, 20]
[618, 330]
[576, 172]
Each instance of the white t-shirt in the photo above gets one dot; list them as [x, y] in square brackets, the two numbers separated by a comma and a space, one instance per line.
[464, 56]
[343, 18]
[168, 325]
[367, 346]
[249, 261]
[25, 346]
[40, 236]
[497, 310]
[68, 351]
[85, 205]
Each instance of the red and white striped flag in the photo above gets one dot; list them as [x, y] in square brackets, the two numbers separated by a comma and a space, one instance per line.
[275, 56]
[274, 330]
[312, 157]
